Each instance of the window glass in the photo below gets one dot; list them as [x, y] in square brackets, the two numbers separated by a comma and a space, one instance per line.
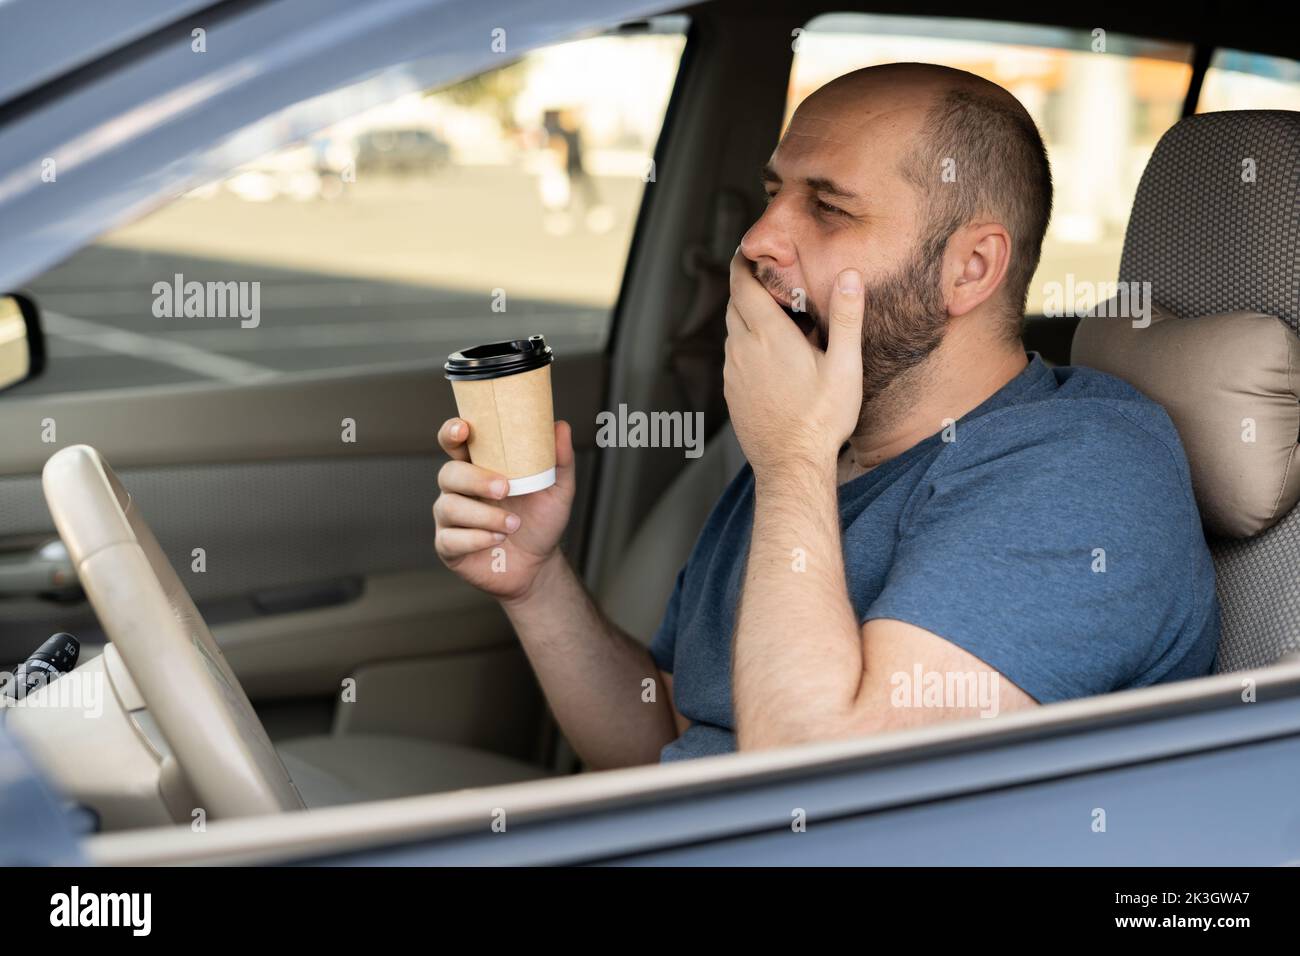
[498, 207]
[1100, 99]
[1249, 81]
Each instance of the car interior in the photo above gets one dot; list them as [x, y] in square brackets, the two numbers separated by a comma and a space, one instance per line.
[264, 493]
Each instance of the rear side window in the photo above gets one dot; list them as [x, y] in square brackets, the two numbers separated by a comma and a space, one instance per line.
[1101, 100]
[496, 208]
[1249, 81]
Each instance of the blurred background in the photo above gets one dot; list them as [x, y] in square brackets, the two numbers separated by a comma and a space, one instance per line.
[383, 238]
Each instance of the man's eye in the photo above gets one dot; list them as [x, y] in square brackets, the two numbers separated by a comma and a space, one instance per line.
[828, 208]
[767, 201]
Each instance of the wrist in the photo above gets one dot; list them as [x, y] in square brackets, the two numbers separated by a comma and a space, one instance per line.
[550, 568]
[795, 474]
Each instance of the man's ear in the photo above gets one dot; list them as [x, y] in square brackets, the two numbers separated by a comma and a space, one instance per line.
[978, 256]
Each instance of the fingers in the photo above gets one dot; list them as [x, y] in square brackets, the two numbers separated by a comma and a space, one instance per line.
[757, 310]
[462, 478]
[453, 436]
[465, 524]
[740, 269]
[844, 340]
[458, 542]
[564, 470]
[735, 321]
[457, 511]
[743, 287]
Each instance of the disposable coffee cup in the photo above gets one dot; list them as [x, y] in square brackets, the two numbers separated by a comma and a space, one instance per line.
[504, 391]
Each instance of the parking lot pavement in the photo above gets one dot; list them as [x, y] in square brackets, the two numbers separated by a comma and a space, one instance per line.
[102, 332]
[396, 271]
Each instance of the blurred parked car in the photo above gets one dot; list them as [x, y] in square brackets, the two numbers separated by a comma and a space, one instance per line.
[401, 152]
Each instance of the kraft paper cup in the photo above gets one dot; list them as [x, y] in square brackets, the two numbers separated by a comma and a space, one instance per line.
[504, 391]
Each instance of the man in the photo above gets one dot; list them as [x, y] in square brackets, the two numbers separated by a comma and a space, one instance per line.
[931, 525]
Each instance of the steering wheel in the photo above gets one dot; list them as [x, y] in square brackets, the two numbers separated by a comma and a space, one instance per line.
[147, 613]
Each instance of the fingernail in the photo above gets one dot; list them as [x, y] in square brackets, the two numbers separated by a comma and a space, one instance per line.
[850, 282]
[498, 536]
[498, 488]
[512, 522]
[455, 430]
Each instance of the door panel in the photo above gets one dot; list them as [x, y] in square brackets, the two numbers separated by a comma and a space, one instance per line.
[452, 696]
[1161, 759]
[397, 411]
[287, 515]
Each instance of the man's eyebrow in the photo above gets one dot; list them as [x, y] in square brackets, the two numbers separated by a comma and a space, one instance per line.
[820, 184]
[823, 185]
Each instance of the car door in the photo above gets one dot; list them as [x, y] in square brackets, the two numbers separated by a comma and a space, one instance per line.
[259, 357]
[1147, 777]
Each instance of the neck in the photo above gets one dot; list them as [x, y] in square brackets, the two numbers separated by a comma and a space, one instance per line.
[960, 375]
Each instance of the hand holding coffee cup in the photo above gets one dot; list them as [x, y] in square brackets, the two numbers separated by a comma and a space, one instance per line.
[494, 536]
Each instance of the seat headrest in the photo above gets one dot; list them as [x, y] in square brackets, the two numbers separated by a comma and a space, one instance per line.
[1214, 245]
[1216, 220]
[1231, 385]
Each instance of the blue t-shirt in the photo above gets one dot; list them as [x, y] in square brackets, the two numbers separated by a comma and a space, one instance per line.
[1054, 536]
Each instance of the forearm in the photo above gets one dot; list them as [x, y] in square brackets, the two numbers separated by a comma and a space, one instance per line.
[592, 673]
[797, 654]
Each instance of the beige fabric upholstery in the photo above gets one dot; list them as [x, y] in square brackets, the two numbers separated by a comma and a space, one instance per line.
[1231, 385]
[349, 768]
[638, 592]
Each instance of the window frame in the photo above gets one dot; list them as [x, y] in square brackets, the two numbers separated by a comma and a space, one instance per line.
[599, 816]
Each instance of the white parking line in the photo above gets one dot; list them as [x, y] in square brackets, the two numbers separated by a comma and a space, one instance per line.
[440, 330]
[281, 296]
[155, 349]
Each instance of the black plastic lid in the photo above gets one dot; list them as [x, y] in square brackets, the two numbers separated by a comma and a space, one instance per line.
[499, 358]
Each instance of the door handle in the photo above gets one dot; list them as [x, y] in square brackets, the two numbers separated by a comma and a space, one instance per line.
[45, 571]
[308, 597]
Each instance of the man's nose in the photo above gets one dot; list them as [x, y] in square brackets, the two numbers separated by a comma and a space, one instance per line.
[768, 239]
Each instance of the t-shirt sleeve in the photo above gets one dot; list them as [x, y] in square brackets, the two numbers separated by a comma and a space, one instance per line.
[1059, 556]
[664, 642]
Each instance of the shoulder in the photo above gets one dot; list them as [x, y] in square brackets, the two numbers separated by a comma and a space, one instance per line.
[1092, 457]
[1092, 424]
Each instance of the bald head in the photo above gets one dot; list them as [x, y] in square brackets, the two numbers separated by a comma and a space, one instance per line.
[968, 147]
[934, 185]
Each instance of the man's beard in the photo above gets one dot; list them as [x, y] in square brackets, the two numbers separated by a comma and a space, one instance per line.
[904, 322]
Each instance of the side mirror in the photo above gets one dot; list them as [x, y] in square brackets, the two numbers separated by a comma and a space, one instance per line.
[22, 342]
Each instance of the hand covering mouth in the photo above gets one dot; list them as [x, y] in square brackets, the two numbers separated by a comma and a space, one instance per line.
[803, 320]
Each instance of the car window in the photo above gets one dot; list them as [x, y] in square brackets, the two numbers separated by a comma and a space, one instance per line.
[1100, 99]
[1249, 81]
[496, 208]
